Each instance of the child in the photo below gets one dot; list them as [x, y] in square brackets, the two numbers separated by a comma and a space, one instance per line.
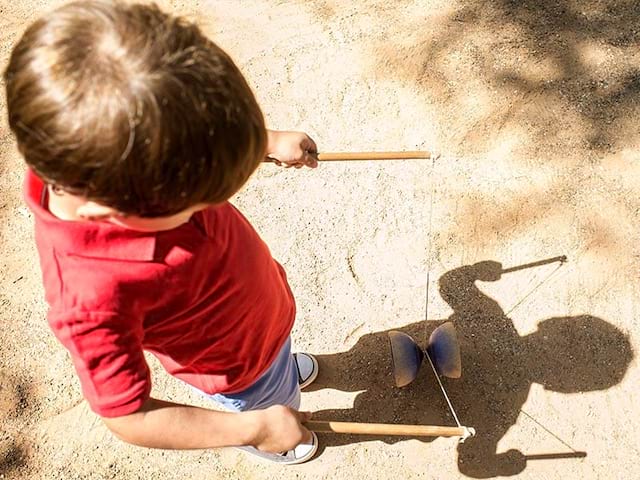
[137, 130]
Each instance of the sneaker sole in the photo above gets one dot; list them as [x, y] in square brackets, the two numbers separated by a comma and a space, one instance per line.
[309, 455]
[272, 458]
[313, 375]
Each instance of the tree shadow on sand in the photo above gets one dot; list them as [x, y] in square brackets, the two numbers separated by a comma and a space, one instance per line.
[16, 399]
[565, 354]
[518, 67]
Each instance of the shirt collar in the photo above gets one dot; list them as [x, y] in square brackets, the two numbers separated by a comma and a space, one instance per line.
[91, 239]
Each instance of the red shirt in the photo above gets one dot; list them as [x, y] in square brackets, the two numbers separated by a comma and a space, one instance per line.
[206, 298]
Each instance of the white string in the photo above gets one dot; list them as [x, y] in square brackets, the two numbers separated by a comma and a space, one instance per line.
[426, 308]
[547, 278]
[426, 304]
[444, 392]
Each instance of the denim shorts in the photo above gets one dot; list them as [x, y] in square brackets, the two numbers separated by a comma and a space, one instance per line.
[276, 386]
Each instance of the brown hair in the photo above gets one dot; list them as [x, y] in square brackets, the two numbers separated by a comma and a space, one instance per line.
[132, 108]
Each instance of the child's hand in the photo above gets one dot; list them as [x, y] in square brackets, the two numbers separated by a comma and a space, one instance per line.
[279, 429]
[487, 271]
[292, 149]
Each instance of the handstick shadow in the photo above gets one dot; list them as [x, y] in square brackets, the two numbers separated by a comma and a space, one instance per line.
[565, 354]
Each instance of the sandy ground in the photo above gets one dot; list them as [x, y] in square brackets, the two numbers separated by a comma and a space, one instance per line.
[534, 108]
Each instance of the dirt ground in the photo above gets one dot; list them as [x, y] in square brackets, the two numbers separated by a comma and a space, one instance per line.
[533, 106]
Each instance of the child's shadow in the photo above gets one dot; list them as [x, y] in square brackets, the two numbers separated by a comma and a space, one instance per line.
[565, 354]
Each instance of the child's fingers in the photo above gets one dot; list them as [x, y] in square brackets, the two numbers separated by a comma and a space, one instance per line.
[305, 416]
[310, 159]
[310, 145]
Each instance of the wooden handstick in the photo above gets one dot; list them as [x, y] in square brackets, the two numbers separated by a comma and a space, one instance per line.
[388, 429]
[338, 156]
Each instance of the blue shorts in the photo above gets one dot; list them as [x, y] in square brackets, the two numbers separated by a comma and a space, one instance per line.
[277, 386]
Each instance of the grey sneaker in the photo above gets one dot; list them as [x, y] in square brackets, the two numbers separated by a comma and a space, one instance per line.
[307, 367]
[300, 454]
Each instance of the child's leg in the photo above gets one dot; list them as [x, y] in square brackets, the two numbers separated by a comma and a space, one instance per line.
[277, 386]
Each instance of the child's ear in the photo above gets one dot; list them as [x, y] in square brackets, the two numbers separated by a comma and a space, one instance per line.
[94, 211]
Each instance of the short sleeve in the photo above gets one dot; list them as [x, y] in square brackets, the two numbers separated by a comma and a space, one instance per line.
[106, 349]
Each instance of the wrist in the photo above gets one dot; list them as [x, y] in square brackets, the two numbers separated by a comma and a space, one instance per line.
[251, 427]
[272, 138]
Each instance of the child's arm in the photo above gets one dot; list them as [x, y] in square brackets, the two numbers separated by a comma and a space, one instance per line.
[293, 149]
[459, 290]
[107, 353]
[160, 424]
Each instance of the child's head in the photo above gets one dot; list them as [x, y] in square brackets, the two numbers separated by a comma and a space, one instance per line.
[133, 109]
[577, 354]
